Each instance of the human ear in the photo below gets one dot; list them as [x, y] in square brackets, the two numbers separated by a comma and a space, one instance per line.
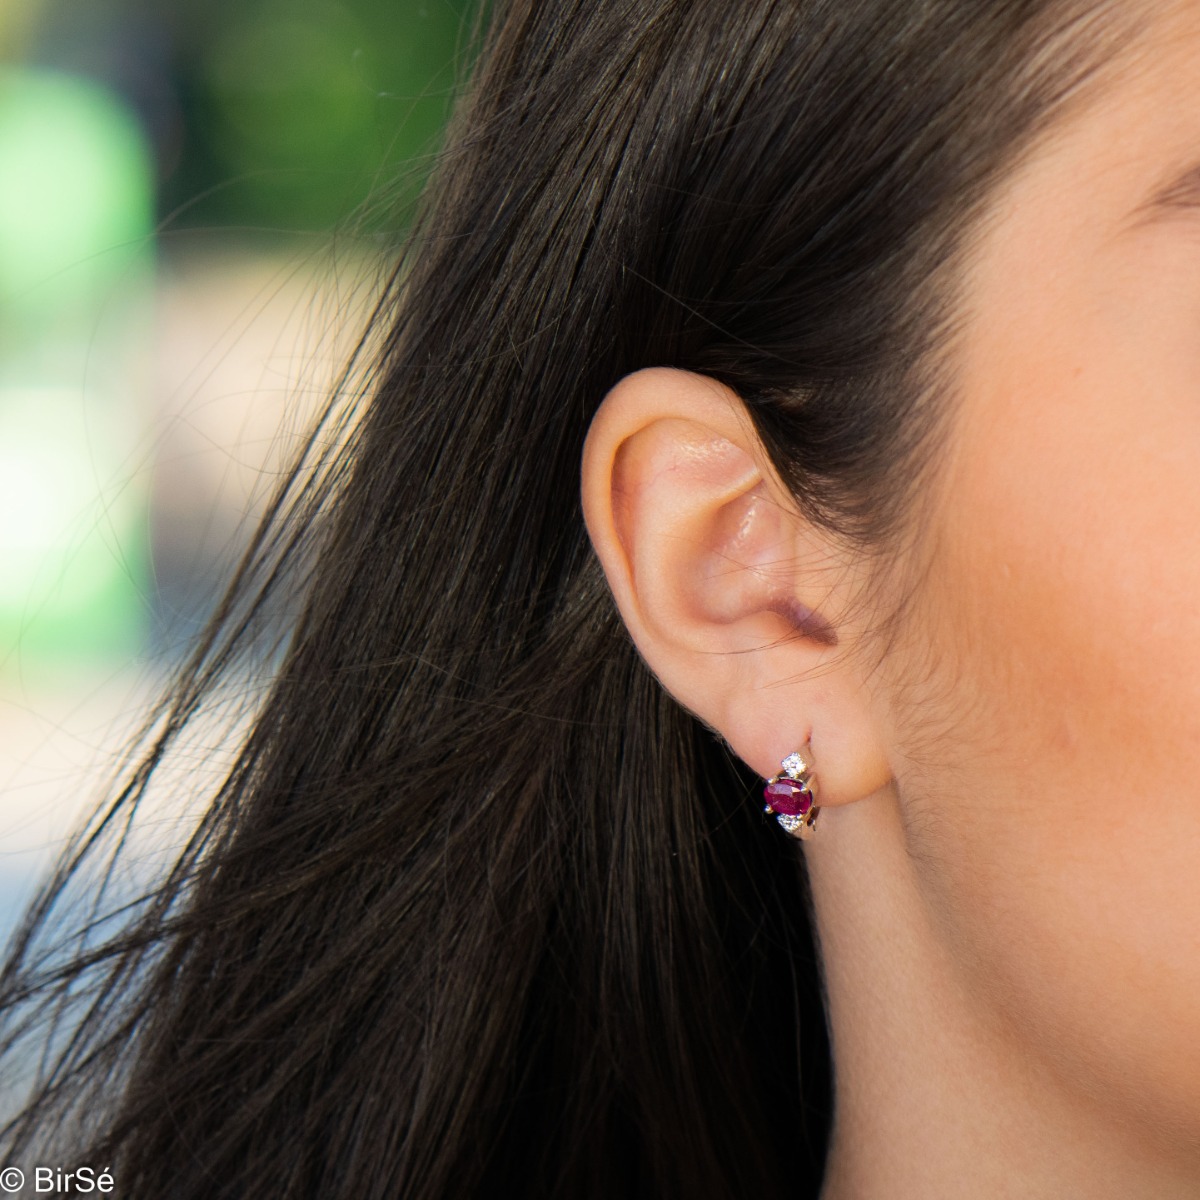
[741, 607]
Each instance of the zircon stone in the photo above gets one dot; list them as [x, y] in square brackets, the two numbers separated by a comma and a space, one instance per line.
[788, 797]
[794, 765]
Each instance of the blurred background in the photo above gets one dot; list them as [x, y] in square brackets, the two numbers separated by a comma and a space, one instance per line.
[194, 195]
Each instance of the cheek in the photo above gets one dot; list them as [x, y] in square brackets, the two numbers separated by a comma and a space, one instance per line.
[1057, 817]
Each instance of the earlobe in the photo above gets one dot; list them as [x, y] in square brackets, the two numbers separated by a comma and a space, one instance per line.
[731, 596]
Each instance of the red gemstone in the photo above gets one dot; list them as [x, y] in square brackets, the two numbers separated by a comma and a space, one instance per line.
[788, 797]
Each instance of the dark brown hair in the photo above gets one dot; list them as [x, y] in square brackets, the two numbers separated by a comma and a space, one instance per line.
[479, 910]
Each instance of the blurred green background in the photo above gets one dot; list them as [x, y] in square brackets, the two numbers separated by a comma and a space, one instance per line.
[260, 114]
[172, 174]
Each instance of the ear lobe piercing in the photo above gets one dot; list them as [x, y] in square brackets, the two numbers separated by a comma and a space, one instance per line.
[791, 795]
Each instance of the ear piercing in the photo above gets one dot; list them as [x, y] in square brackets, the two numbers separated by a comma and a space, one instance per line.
[791, 795]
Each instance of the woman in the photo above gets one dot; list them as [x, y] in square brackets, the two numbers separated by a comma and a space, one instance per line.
[875, 327]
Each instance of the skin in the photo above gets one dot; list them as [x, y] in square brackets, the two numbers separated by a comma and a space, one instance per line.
[1006, 874]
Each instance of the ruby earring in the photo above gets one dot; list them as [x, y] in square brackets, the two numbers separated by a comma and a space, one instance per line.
[791, 795]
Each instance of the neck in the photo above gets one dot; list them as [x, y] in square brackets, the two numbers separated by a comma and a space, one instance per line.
[936, 1095]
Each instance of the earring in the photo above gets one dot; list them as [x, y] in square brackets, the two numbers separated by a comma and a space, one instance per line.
[791, 795]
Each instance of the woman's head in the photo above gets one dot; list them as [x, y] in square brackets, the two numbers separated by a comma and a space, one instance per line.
[1014, 701]
[772, 257]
